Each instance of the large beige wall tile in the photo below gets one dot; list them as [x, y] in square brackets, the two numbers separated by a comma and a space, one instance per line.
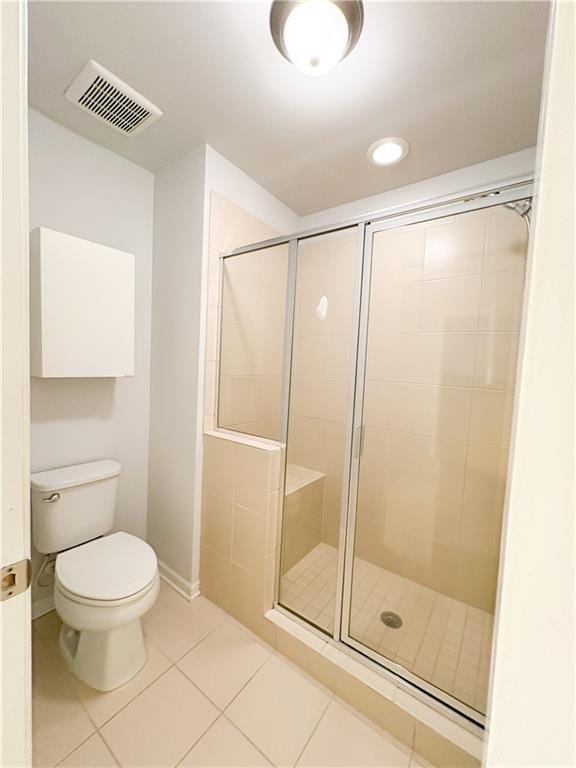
[398, 256]
[450, 305]
[430, 358]
[416, 459]
[491, 416]
[396, 308]
[506, 241]
[455, 247]
[501, 304]
[219, 467]
[481, 524]
[217, 523]
[486, 469]
[216, 577]
[251, 472]
[496, 360]
[249, 539]
[439, 411]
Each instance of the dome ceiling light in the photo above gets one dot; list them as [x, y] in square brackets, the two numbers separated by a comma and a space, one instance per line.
[388, 151]
[316, 34]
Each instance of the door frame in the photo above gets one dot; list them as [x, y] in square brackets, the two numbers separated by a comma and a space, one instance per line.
[15, 614]
[492, 198]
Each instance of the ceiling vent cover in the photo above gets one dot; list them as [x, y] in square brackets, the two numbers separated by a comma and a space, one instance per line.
[98, 91]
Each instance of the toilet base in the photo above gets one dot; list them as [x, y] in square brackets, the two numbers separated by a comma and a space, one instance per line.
[104, 660]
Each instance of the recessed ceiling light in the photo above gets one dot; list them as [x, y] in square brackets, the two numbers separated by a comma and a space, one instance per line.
[316, 34]
[388, 151]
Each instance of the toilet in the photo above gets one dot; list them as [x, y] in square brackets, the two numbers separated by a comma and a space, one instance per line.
[104, 582]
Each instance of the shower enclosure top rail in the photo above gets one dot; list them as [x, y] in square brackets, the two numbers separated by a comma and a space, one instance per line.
[519, 188]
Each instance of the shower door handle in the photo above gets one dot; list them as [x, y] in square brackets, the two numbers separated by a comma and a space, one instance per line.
[359, 446]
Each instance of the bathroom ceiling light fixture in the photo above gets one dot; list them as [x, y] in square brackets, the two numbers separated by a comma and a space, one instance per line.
[388, 151]
[316, 34]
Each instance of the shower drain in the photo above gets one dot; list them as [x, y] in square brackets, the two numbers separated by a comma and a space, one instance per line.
[391, 619]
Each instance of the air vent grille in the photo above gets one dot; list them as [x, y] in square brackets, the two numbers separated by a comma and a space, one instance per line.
[113, 106]
[108, 98]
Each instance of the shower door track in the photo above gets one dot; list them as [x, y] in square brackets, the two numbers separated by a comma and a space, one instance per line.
[483, 197]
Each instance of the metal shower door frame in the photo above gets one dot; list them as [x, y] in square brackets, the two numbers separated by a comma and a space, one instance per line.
[492, 198]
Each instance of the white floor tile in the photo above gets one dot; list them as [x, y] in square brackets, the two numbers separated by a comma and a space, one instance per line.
[224, 662]
[161, 725]
[278, 710]
[93, 753]
[223, 746]
[60, 723]
[101, 706]
[343, 739]
[176, 625]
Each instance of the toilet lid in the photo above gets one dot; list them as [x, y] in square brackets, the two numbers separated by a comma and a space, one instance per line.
[109, 568]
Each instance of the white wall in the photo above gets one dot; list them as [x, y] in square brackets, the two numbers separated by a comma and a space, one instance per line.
[532, 717]
[82, 189]
[498, 171]
[177, 348]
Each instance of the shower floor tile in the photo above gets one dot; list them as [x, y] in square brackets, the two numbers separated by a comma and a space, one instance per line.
[442, 640]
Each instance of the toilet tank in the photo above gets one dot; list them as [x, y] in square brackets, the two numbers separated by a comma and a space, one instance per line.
[71, 505]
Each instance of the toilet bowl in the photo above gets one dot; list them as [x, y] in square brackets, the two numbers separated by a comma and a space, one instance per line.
[104, 582]
[102, 590]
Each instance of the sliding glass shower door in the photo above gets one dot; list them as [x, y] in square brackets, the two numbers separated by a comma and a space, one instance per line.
[442, 305]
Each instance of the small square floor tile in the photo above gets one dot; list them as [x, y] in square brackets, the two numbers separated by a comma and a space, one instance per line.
[160, 725]
[223, 746]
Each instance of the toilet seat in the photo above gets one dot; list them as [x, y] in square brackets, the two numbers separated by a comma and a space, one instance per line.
[110, 571]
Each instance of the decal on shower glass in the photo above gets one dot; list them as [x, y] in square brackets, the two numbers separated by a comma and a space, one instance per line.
[322, 308]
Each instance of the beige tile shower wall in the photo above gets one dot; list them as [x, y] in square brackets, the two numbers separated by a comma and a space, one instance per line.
[321, 365]
[240, 495]
[230, 227]
[445, 313]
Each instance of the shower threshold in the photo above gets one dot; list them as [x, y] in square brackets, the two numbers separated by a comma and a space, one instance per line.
[442, 640]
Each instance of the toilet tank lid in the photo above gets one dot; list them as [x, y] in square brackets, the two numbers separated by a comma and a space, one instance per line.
[78, 474]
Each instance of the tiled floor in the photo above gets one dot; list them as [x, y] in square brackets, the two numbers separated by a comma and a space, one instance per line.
[442, 640]
[211, 694]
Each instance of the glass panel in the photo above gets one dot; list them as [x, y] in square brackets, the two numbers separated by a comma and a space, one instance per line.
[320, 384]
[254, 288]
[444, 317]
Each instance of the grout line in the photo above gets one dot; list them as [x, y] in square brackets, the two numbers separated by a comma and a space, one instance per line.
[248, 739]
[309, 739]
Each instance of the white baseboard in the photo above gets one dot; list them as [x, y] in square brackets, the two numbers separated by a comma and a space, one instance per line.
[43, 605]
[187, 589]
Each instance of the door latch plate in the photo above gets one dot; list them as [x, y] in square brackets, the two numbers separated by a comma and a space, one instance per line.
[14, 579]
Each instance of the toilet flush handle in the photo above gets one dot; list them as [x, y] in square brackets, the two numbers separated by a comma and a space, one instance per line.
[51, 499]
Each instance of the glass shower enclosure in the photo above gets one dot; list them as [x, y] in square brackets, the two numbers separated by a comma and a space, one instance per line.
[398, 369]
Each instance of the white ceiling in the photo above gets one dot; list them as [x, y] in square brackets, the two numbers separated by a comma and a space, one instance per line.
[459, 80]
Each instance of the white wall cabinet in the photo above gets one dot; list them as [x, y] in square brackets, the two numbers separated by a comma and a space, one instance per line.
[81, 307]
